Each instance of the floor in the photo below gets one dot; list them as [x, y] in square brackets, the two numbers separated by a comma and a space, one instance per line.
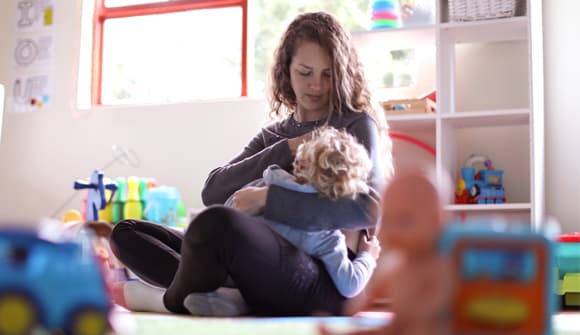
[129, 323]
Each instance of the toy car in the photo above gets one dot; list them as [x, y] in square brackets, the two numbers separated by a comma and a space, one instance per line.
[56, 286]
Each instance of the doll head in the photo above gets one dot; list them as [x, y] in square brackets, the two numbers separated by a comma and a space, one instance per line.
[412, 214]
[334, 163]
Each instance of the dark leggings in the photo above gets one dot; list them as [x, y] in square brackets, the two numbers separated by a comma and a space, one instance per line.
[274, 277]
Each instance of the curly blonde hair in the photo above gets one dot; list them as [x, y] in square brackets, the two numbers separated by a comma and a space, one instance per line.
[349, 88]
[334, 163]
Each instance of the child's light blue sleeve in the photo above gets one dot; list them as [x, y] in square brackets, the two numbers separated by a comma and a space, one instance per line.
[275, 175]
[350, 277]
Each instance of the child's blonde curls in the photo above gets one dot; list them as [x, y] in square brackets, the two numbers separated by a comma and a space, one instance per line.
[334, 163]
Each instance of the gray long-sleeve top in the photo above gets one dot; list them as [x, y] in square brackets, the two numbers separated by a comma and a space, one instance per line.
[305, 211]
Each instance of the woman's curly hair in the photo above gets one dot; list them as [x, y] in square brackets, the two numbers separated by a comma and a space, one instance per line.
[349, 88]
[334, 163]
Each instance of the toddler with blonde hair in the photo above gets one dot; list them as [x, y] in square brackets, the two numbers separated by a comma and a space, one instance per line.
[334, 165]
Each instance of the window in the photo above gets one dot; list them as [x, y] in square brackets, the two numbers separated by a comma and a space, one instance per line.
[157, 51]
[152, 51]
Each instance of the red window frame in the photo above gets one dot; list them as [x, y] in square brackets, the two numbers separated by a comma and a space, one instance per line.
[102, 13]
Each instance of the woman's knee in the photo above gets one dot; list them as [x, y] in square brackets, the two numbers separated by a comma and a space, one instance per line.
[122, 233]
[212, 220]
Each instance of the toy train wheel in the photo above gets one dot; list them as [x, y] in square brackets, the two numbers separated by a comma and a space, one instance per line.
[88, 321]
[18, 314]
[474, 191]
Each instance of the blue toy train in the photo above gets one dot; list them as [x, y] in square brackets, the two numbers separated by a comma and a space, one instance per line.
[480, 187]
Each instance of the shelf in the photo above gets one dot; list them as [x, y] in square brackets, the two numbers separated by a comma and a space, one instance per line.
[509, 29]
[411, 122]
[403, 30]
[507, 207]
[395, 38]
[488, 118]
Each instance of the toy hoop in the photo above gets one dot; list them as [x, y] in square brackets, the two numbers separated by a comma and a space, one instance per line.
[414, 141]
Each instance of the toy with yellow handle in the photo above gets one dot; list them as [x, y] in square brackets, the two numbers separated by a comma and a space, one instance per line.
[133, 208]
[106, 214]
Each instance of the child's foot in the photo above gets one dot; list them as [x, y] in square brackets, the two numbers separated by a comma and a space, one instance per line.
[221, 302]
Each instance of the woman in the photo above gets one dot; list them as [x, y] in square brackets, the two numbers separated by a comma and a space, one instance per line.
[316, 80]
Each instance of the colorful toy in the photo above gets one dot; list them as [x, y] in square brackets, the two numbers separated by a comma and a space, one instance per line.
[96, 199]
[162, 205]
[505, 282]
[568, 269]
[385, 14]
[133, 208]
[482, 187]
[119, 201]
[52, 285]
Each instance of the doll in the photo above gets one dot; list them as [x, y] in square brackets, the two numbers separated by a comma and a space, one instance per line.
[412, 274]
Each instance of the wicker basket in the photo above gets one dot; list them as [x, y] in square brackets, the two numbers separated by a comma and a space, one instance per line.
[475, 10]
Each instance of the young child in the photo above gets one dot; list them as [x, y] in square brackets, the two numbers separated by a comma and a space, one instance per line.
[334, 165]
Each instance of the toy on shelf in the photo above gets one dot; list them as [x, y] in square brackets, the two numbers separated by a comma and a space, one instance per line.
[505, 282]
[96, 199]
[409, 106]
[479, 187]
[568, 268]
[52, 287]
[385, 14]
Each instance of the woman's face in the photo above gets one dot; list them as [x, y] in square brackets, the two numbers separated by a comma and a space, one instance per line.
[311, 77]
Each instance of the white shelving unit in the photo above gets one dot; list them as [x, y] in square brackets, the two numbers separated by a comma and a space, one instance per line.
[488, 76]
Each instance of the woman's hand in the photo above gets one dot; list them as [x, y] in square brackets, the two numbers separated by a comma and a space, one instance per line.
[251, 200]
[294, 143]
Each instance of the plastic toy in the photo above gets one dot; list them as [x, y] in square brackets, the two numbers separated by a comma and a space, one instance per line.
[162, 205]
[119, 200]
[52, 285]
[96, 199]
[568, 269]
[385, 14]
[505, 282]
[133, 208]
[482, 187]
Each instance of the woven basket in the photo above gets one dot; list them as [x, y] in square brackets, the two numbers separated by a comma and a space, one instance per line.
[475, 10]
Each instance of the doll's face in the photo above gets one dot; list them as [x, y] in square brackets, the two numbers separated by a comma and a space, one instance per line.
[411, 215]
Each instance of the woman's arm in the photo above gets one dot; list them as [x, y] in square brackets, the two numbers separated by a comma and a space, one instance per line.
[265, 149]
[311, 212]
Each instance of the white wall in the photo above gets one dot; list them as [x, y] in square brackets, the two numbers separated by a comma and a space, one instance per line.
[42, 153]
[562, 74]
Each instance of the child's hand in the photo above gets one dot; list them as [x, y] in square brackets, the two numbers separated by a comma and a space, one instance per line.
[251, 200]
[370, 245]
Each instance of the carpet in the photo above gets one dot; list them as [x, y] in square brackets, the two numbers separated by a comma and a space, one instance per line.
[132, 323]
